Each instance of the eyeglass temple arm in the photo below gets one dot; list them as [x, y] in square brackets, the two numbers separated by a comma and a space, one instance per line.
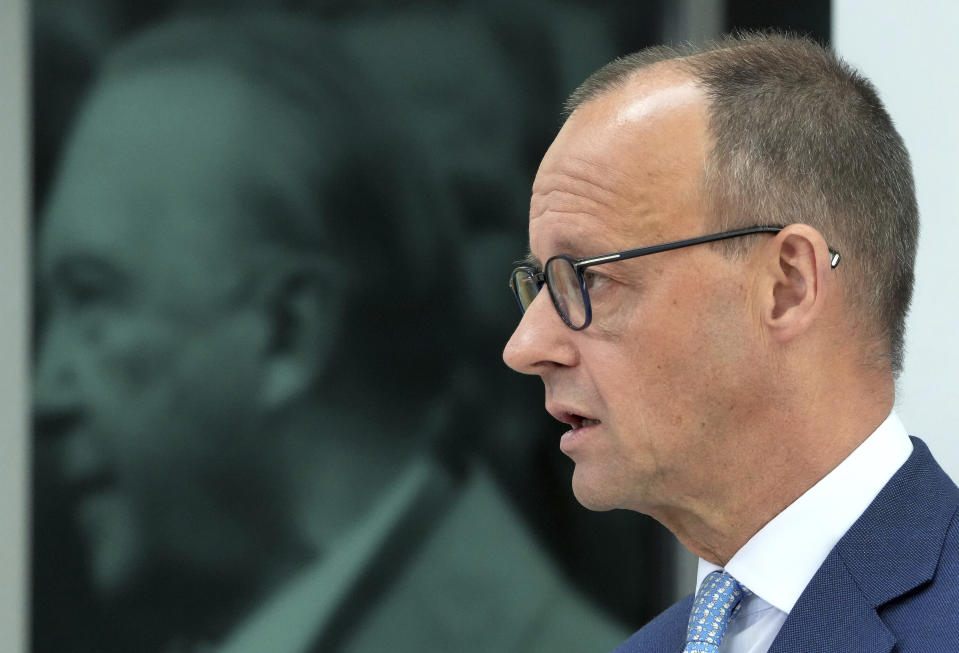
[688, 242]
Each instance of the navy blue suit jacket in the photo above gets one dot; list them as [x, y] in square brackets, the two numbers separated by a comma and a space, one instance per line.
[890, 584]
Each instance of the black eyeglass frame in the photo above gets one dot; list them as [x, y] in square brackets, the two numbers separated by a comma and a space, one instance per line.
[580, 264]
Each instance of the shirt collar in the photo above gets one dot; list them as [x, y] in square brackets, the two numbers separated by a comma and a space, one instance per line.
[778, 562]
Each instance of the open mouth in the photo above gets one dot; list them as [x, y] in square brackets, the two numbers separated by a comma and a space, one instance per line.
[567, 415]
[575, 420]
[579, 422]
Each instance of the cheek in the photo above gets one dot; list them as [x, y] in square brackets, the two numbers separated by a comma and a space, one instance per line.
[127, 360]
[134, 376]
[663, 375]
[651, 362]
[166, 396]
[177, 411]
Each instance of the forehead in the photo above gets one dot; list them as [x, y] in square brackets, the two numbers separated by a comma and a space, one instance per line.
[626, 169]
[154, 175]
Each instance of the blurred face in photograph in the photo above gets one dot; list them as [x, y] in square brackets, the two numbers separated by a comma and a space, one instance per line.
[649, 387]
[148, 372]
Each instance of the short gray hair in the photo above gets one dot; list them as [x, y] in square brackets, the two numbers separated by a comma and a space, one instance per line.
[799, 136]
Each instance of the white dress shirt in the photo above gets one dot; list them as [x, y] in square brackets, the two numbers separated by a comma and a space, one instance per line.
[778, 562]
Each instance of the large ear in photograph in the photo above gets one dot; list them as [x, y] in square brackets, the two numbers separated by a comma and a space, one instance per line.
[303, 310]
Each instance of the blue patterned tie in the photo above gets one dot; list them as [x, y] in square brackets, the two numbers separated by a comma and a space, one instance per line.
[717, 600]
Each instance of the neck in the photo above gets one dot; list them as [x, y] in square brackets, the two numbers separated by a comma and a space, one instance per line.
[776, 458]
[340, 464]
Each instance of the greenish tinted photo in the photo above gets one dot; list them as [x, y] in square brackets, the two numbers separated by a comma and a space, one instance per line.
[271, 265]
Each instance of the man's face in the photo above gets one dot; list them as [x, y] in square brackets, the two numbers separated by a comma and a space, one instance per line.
[148, 359]
[659, 372]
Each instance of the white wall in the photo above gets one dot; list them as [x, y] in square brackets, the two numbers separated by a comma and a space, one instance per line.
[13, 332]
[908, 49]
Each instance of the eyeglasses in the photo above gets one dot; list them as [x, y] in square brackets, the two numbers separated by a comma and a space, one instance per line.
[569, 290]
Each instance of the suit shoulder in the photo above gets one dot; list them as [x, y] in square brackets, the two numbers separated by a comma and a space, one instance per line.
[667, 631]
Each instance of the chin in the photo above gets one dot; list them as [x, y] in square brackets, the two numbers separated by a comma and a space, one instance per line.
[114, 546]
[594, 491]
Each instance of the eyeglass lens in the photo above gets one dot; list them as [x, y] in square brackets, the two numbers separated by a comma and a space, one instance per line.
[526, 287]
[566, 291]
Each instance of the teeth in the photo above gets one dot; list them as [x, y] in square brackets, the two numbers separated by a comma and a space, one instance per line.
[588, 422]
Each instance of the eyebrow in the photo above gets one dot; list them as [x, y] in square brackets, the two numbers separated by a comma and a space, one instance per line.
[567, 247]
[530, 260]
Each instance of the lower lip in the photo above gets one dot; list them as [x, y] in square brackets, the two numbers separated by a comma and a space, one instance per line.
[572, 438]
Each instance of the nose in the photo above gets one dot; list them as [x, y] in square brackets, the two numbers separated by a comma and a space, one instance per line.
[66, 454]
[541, 341]
[56, 400]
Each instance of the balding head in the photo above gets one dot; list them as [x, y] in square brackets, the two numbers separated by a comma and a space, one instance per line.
[800, 137]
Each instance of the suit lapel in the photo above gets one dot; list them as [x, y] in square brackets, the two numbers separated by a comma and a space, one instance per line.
[833, 615]
[893, 548]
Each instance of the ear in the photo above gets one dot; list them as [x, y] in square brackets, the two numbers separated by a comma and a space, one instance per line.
[303, 313]
[795, 273]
